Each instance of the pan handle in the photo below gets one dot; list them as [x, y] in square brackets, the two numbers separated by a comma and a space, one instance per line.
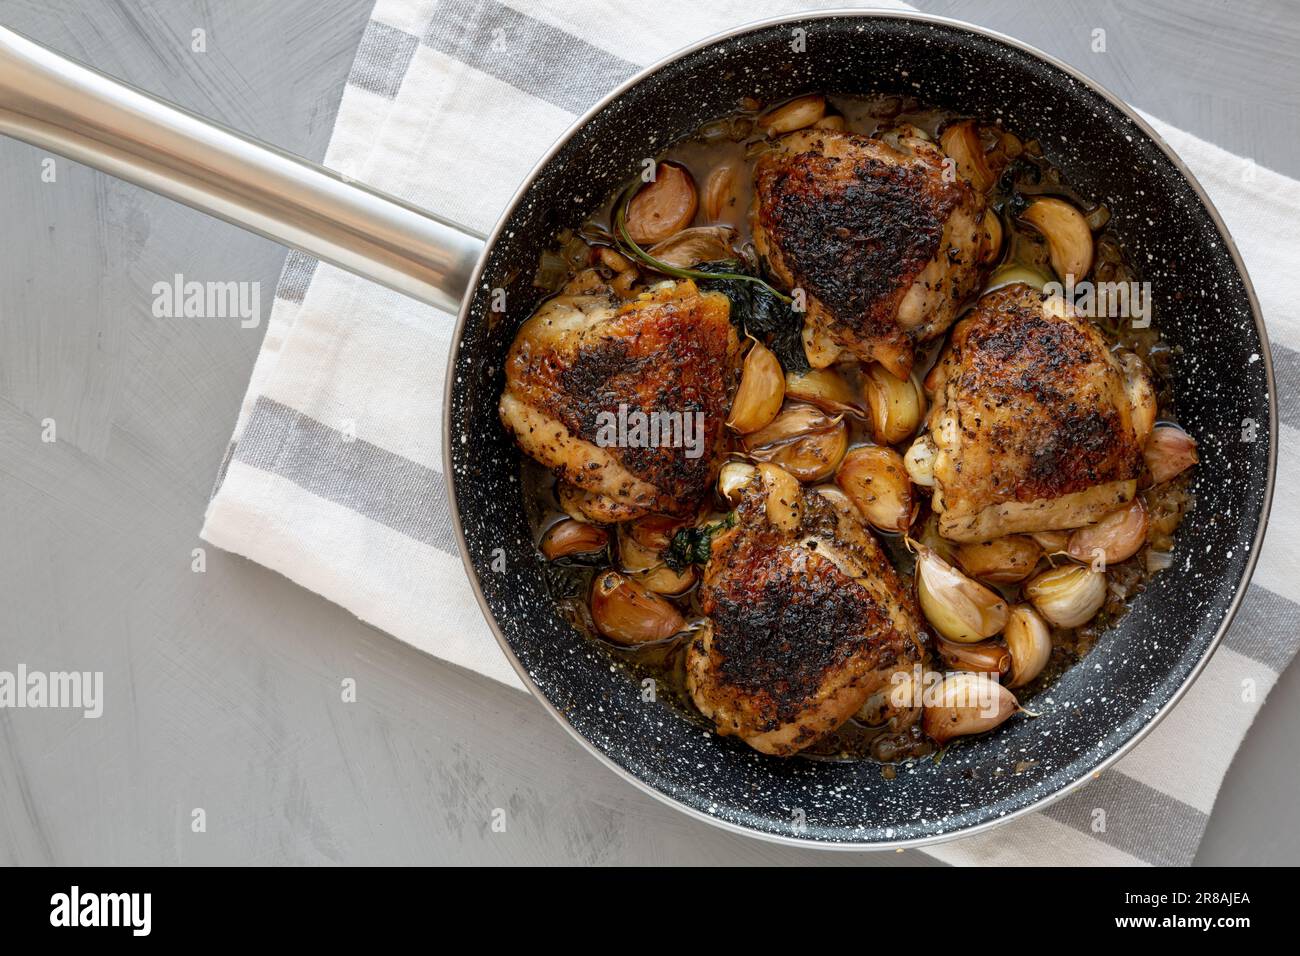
[57, 104]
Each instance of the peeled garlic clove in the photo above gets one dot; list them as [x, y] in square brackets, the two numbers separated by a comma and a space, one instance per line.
[734, 476]
[761, 392]
[1069, 595]
[628, 613]
[897, 405]
[961, 141]
[720, 193]
[824, 388]
[1002, 560]
[1069, 240]
[986, 657]
[831, 122]
[662, 207]
[568, 537]
[1141, 396]
[992, 247]
[876, 482]
[966, 703]
[919, 462]
[1029, 643]
[794, 115]
[1169, 452]
[784, 498]
[959, 608]
[1116, 537]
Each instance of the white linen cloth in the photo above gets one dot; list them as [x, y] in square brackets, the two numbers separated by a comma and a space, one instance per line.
[334, 475]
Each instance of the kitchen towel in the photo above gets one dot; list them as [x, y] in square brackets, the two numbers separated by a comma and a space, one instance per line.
[334, 473]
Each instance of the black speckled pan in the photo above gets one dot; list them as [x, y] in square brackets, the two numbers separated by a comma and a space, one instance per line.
[1203, 302]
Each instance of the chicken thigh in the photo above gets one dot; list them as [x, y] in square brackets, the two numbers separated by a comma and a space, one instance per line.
[806, 618]
[625, 401]
[1037, 425]
[884, 240]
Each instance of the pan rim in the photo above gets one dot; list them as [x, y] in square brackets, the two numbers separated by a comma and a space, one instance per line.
[1240, 586]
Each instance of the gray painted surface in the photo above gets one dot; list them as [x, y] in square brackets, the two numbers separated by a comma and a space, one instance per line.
[225, 685]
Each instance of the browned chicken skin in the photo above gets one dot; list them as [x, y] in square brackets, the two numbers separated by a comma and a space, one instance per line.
[581, 358]
[884, 241]
[1038, 425]
[806, 620]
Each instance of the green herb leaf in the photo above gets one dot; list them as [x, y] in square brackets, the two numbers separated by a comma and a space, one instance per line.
[695, 545]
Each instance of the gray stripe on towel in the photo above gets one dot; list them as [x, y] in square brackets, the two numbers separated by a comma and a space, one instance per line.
[382, 59]
[532, 56]
[1266, 628]
[1139, 820]
[372, 481]
[296, 275]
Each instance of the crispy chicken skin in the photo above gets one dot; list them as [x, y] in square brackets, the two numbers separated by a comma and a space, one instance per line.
[671, 350]
[884, 242]
[1037, 423]
[803, 625]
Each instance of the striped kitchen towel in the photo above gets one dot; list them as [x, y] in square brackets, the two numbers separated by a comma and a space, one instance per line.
[334, 477]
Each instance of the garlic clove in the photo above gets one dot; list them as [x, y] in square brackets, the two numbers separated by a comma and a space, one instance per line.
[986, 657]
[643, 561]
[1116, 537]
[690, 247]
[761, 392]
[1069, 595]
[626, 612]
[966, 703]
[567, 538]
[793, 115]
[1001, 561]
[1069, 240]
[959, 608]
[1141, 396]
[662, 207]
[825, 388]
[961, 142]
[732, 478]
[1169, 452]
[992, 246]
[897, 405]
[784, 497]
[803, 440]
[720, 192]
[876, 481]
[919, 462]
[1029, 642]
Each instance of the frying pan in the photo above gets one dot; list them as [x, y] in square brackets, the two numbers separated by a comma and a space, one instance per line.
[1203, 300]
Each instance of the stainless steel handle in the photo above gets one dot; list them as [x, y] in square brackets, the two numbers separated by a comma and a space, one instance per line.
[56, 104]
